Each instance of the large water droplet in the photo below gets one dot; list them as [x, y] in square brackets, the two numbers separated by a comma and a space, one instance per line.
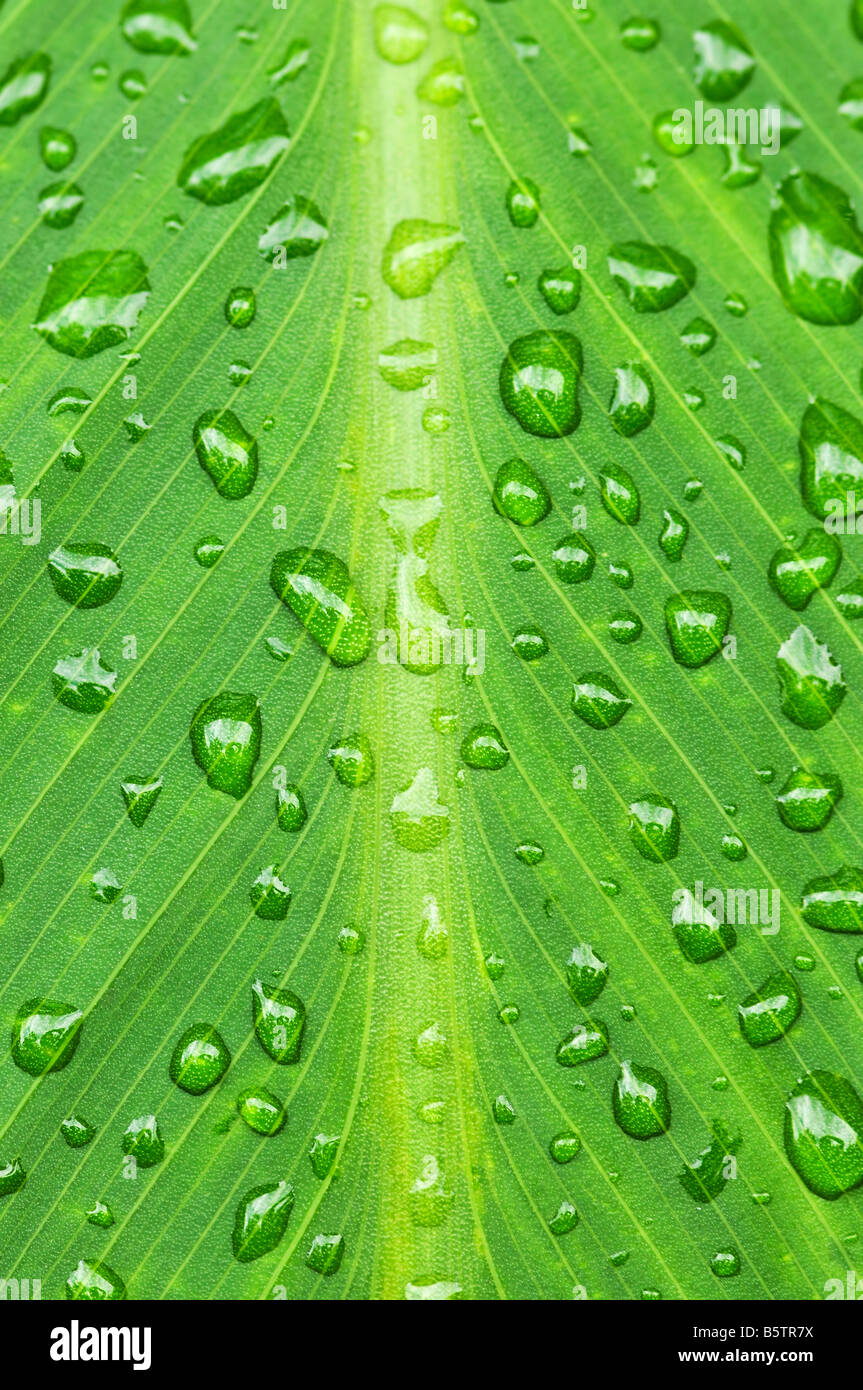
[824, 1133]
[226, 740]
[85, 575]
[652, 278]
[416, 253]
[816, 250]
[45, 1035]
[317, 587]
[810, 681]
[226, 452]
[158, 26]
[261, 1220]
[23, 86]
[229, 162]
[279, 1018]
[640, 1101]
[92, 302]
[539, 379]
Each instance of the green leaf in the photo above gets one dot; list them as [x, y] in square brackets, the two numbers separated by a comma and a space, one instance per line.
[408, 464]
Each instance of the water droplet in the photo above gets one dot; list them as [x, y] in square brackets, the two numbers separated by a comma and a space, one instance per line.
[443, 84]
[460, 19]
[291, 812]
[279, 1017]
[672, 538]
[418, 819]
[574, 560]
[57, 148]
[240, 306]
[632, 399]
[807, 800]
[831, 453]
[520, 494]
[824, 1133]
[834, 902]
[671, 135]
[298, 229]
[654, 829]
[294, 62]
[740, 171]
[86, 576]
[767, 1014]
[351, 760]
[60, 204]
[577, 141]
[23, 87]
[724, 62]
[100, 1215]
[94, 1281]
[705, 1177]
[625, 627]
[696, 621]
[92, 302]
[70, 400]
[736, 305]
[522, 202]
[725, 1264]
[732, 450]
[640, 1100]
[270, 897]
[560, 289]
[323, 1153]
[226, 740]
[407, 365]
[585, 1042]
[733, 848]
[639, 33]
[45, 1035]
[400, 35]
[133, 84]
[619, 494]
[140, 798]
[435, 419]
[318, 589]
[12, 1177]
[529, 853]
[143, 1141]
[227, 163]
[105, 887]
[483, 747]
[539, 379]
[208, 551]
[82, 683]
[652, 278]
[698, 337]
[416, 253]
[431, 1047]
[530, 643]
[200, 1059]
[76, 1131]
[158, 26]
[620, 574]
[564, 1147]
[325, 1254]
[700, 934]
[816, 250]
[810, 681]
[261, 1220]
[598, 700]
[262, 1111]
[226, 452]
